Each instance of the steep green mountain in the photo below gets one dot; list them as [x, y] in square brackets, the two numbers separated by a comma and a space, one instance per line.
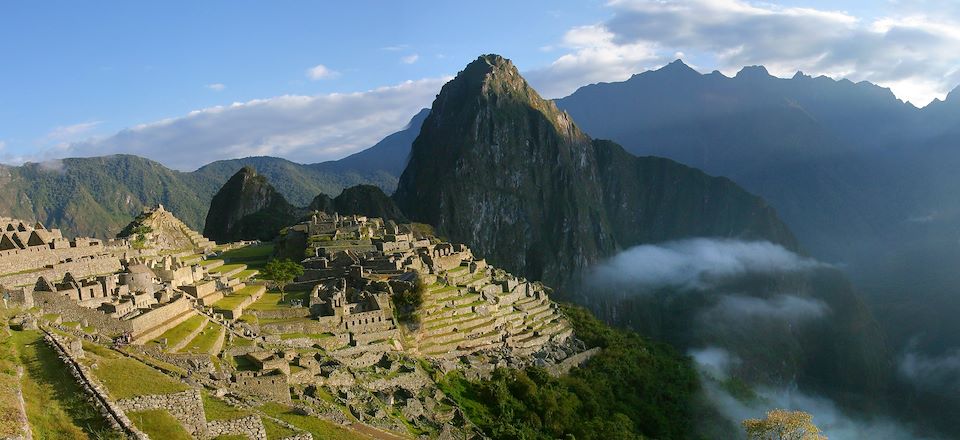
[368, 200]
[502, 169]
[97, 196]
[506, 172]
[247, 207]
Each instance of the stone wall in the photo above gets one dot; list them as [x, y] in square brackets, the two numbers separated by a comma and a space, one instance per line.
[114, 414]
[273, 386]
[567, 364]
[15, 260]
[159, 315]
[250, 426]
[70, 310]
[81, 268]
[186, 407]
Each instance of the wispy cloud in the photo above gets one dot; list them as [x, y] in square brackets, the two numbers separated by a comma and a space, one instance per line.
[912, 49]
[300, 128]
[695, 263]
[71, 132]
[396, 47]
[410, 59]
[216, 87]
[320, 71]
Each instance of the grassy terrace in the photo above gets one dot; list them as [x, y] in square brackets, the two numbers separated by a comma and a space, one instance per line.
[206, 263]
[205, 341]
[124, 377]
[271, 300]
[247, 274]
[177, 334]
[217, 409]
[158, 424]
[228, 268]
[276, 431]
[56, 405]
[234, 299]
[254, 257]
[321, 429]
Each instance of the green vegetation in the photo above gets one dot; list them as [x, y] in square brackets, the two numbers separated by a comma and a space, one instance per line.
[408, 301]
[276, 431]
[217, 409]
[56, 405]
[318, 427]
[124, 378]
[236, 298]
[227, 268]
[158, 423]
[140, 236]
[10, 425]
[281, 272]
[204, 342]
[255, 257]
[271, 300]
[181, 331]
[633, 388]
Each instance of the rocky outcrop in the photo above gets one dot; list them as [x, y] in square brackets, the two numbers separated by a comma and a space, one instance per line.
[247, 207]
[503, 170]
[365, 200]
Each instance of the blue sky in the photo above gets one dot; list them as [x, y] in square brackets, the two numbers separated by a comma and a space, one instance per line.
[160, 79]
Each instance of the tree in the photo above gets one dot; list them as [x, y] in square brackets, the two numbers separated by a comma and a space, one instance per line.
[281, 272]
[781, 424]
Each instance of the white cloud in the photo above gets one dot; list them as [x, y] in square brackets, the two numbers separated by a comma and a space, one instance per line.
[912, 50]
[216, 87]
[939, 373]
[695, 263]
[395, 47]
[320, 71]
[790, 308]
[3, 145]
[715, 364]
[71, 132]
[410, 59]
[300, 128]
[595, 57]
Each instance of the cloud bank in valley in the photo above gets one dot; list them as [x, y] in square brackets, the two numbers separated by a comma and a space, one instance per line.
[695, 263]
[714, 365]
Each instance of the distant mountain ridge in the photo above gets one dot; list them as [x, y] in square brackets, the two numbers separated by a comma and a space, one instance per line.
[97, 196]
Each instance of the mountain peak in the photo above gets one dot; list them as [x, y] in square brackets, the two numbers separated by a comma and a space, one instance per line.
[677, 66]
[751, 72]
[953, 96]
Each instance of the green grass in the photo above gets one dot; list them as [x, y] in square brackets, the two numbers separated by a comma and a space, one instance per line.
[56, 405]
[204, 341]
[276, 431]
[236, 298]
[230, 437]
[321, 429]
[227, 268]
[247, 274]
[10, 425]
[271, 300]
[253, 256]
[125, 378]
[206, 263]
[158, 424]
[217, 409]
[178, 333]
